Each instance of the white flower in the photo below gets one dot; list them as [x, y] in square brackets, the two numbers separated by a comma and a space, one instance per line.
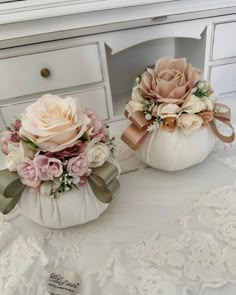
[193, 105]
[46, 188]
[134, 106]
[213, 96]
[189, 122]
[148, 117]
[97, 154]
[136, 102]
[201, 85]
[76, 180]
[168, 110]
[16, 156]
[152, 127]
[209, 104]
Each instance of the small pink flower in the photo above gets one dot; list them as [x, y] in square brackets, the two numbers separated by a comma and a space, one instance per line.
[96, 127]
[16, 125]
[83, 180]
[78, 166]
[28, 173]
[47, 168]
[5, 140]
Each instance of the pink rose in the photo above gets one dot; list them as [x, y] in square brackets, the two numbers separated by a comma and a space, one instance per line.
[5, 140]
[78, 166]
[96, 127]
[28, 173]
[47, 168]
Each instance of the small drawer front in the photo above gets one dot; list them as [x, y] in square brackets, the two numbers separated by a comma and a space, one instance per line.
[12, 112]
[223, 78]
[2, 124]
[94, 99]
[224, 41]
[46, 71]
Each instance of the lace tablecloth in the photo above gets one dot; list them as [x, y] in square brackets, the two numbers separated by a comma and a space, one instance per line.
[168, 233]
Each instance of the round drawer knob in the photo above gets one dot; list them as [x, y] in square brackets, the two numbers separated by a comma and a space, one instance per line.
[45, 73]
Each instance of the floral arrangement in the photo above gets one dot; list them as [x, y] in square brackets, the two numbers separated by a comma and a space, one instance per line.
[172, 95]
[55, 145]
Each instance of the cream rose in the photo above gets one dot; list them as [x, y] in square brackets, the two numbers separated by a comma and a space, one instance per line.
[97, 154]
[209, 104]
[168, 110]
[171, 81]
[136, 102]
[15, 156]
[189, 122]
[193, 104]
[53, 123]
[18, 151]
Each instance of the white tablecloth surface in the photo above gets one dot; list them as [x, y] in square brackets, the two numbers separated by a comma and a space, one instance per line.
[147, 242]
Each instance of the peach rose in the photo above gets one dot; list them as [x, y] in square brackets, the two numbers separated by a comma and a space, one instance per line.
[189, 122]
[206, 117]
[170, 124]
[171, 81]
[53, 123]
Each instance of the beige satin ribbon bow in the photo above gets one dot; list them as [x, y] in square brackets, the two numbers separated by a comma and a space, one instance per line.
[103, 182]
[135, 134]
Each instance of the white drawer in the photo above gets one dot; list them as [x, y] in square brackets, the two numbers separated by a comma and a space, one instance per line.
[92, 98]
[68, 67]
[223, 78]
[224, 41]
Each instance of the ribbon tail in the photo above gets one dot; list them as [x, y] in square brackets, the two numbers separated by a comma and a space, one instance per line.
[134, 137]
[99, 188]
[217, 133]
[11, 189]
[103, 182]
[114, 186]
[11, 205]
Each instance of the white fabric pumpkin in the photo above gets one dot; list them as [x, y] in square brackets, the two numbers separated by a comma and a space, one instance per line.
[176, 151]
[71, 208]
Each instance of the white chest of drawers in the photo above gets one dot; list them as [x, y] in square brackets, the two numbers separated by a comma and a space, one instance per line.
[96, 55]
